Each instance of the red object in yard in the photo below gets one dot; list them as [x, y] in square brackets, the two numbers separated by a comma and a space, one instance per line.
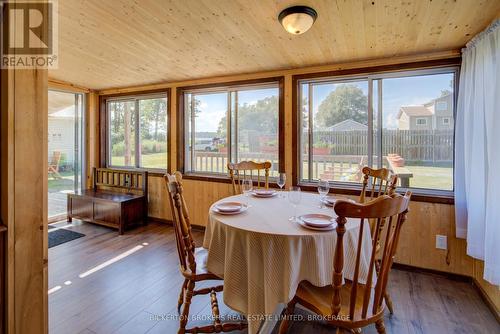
[321, 150]
[396, 160]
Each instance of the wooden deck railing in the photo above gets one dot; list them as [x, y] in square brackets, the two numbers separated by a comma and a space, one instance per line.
[333, 167]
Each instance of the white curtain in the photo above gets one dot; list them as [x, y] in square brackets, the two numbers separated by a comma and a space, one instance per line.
[477, 151]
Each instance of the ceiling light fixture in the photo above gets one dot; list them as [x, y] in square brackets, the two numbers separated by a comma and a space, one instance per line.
[297, 19]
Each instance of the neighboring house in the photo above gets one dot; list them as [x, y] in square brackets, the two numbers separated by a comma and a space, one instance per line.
[61, 134]
[436, 114]
[347, 125]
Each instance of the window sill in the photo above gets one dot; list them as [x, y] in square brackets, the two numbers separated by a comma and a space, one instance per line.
[151, 171]
[418, 195]
[220, 178]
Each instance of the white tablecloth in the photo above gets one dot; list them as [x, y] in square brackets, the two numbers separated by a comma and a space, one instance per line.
[263, 256]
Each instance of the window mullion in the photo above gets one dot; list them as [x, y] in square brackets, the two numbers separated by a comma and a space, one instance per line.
[137, 135]
[370, 123]
[229, 132]
[310, 132]
[193, 134]
[379, 123]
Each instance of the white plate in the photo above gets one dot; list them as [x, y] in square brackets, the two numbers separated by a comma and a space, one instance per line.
[329, 228]
[228, 206]
[244, 208]
[317, 220]
[264, 193]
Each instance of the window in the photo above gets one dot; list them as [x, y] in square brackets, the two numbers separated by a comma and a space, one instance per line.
[421, 121]
[234, 123]
[441, 105]
[345, 123]
[446, 121]
[137, 132]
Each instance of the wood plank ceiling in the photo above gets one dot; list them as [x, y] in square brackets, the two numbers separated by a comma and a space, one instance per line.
[120, 43]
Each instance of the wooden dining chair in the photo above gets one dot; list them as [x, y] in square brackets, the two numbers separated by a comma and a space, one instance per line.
[241, 170]
[353, 304]
[193, 264]
[377, 182]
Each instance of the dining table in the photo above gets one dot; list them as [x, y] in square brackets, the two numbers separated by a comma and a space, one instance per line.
[263, 256]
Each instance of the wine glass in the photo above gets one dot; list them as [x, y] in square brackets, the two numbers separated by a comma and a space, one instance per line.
[323, 189]
[281, 183]
[294, 197]
[247, 187]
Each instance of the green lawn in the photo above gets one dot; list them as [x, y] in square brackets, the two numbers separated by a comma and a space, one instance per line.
[56, 185]
[431, 177]
[154, 160]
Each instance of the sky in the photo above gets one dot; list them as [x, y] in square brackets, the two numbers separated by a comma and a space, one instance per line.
[396, 93]
[214, 106]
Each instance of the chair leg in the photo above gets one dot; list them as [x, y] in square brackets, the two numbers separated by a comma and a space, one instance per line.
[387, 298]
[379, 325]
[388, 302]
[288, 311]
[185, 310]
[181, 296]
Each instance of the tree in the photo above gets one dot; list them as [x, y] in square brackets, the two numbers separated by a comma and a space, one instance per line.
[261, 116]
[345, 102]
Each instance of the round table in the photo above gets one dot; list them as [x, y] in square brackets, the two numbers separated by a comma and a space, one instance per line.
[263, 256]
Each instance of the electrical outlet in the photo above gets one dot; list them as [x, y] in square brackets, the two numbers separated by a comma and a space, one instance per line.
[441, 241]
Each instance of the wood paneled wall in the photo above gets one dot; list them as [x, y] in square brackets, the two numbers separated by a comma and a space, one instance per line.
[24, 197]
[417, 246]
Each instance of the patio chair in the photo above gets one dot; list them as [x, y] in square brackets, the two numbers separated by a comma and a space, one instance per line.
[54, 165]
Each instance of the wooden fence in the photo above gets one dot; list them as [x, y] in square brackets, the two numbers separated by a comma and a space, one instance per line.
[412, 145]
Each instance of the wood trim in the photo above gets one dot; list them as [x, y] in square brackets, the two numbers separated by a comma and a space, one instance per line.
[419, 65]
[281, 125]
[487, 300]
[180, 129]
[103, 131]
[355, 190]
[3, 277]
[171, 223]
[455, 277]
[68, 87]
[414, 269]
[181, 120]
[454, 53]
[341, 189]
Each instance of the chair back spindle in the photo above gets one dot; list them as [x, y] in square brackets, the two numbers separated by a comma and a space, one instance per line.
[240, 171]
[377, 182]
[391, 208]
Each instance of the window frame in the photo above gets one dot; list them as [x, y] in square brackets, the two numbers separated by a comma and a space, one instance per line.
[371, 74]
[421, 119]
[104, 158]
[447, 119]
[441, 102]
[225, 87]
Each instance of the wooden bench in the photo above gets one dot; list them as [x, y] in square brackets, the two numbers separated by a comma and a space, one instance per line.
[118, 199]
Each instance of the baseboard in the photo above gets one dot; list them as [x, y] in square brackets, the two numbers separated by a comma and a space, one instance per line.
[487, 300]
[452, 276]
[455, 277]
[58, 218]
[170, 222]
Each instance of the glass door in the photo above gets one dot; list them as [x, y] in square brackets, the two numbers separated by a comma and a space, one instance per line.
[65, 149]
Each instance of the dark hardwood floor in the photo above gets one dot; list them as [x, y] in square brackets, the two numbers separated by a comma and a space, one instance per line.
[130, 284]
